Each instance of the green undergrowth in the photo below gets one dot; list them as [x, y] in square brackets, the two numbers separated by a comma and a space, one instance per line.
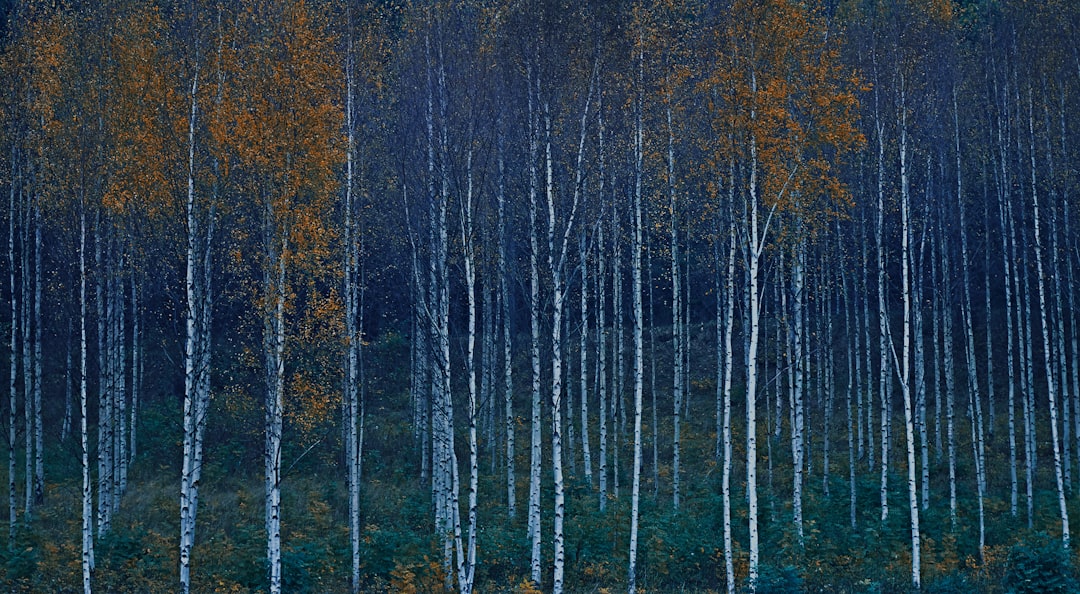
[679, 550]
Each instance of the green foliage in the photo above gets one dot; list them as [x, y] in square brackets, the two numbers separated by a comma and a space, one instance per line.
[954, 583]
[132, 558]
[21, 563]
[1041, 566]
[779, 580]
[682, 549]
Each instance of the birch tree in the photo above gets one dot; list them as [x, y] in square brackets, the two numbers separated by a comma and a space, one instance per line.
[782, 173]
[288, 164]
[534, 324]
[635, 266]
[199, 217]
[1047, 353]
[905, 362]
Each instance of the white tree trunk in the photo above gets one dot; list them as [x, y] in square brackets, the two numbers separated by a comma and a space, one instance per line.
[136, 367]
[1057, 321]
[617, 409]
[87, 492]
[851, 321]
[1070, 267]
[974, 399]
[196, 353]
[534, 319]
[353, 338]
[14, 368]
[938, 333]
[445, 436]
[905, 371]
[947, 348]
[39, 441]
[583, 353]
[274, 352]
[798, 387]
[120, 391]
[508, 378]
[1047, 353]
[1006, 264]
[188, 487]
[755, 236]
[467, 574]
[635, 266]
[104, 437]
[601, 318]
[25, 301]
[884, 342]
[854, 304]
[676, 310]
[556, 264]
[868, 353]
[728, 365]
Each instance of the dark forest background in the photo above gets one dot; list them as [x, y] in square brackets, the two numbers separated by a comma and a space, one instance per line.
[335, 296]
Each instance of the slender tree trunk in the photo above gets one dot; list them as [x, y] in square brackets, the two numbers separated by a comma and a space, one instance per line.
[583, 353]
[196, 353]
[601, 311]
[829, 304]
[869, 359]
[798, 303]
[1007, 281]
[441, 426]
[39, 441]
[87, 492]
[450, 477]
[918, 328]
[120, 394]
[534, 306]
[274, 350]
[1070, 267]
[1024, 340]
[488, 358]
[728, 364]
[353, 337]
[508, 363]
[1047, 353]
[136, 368]
[14, 369]
[755, 236]
[1025, 337]
[974, 399]
[884, 341]
[618, 317]
[1059, 315]
[568, 385]
[467, 574]
[905, 371]
[950, 375]
[557, 256]
[104, 384]
[26, 302]
[188, 488]
[851, 321]
[635, 267]
[853, 302]
[65, 428]
[938, 332]
[676, 310]
[556, 363]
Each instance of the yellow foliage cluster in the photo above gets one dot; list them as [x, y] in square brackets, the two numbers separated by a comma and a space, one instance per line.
[419, 577]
